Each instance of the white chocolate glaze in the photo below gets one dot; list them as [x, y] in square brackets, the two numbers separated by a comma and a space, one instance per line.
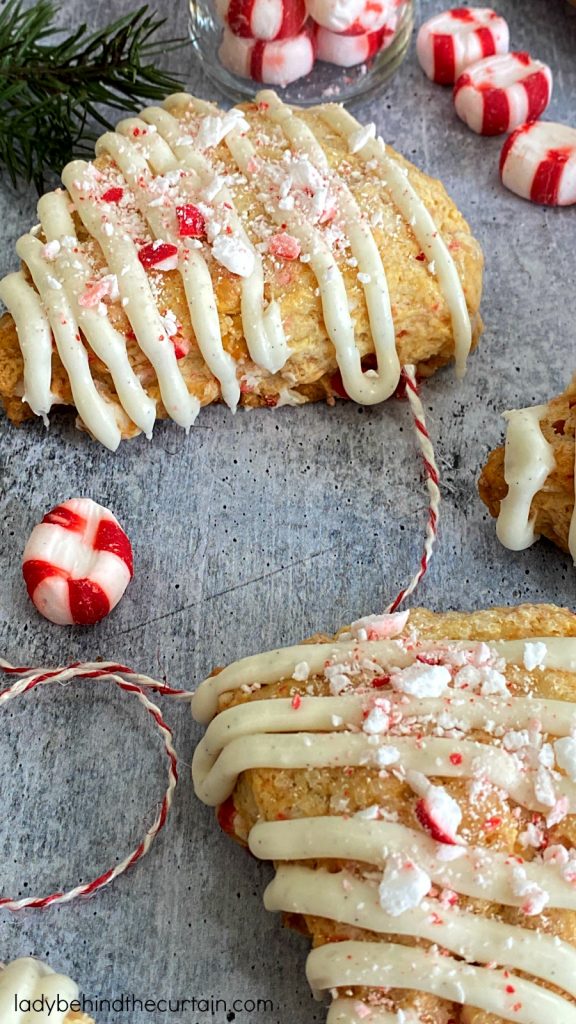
[29, 979]
[528, 461]
[155, 165]
[404, 707]
[349, 900]
[414, 210]
[35, 336]
[364, 249]
[272, 666]
[387, 965]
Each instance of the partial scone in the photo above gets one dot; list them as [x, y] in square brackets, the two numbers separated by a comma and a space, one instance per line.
[529, 484]
[31, 991]
[414, 782]
[264, 256]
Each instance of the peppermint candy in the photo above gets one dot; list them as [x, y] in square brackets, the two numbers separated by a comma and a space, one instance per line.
[279, 62]
[538, 162]
[347, 51]
[449, 42]
[77, 563]
[499, 93]
[351, 17]
[262, 19]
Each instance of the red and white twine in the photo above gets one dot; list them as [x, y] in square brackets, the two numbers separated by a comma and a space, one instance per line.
[130, 682]
[135, 683]
[432, 482]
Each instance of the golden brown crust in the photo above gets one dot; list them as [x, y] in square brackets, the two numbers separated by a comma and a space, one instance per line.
[553, 505]
[422, 320]
[272, 794]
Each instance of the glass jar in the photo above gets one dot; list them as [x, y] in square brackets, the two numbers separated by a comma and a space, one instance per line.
[222, 34]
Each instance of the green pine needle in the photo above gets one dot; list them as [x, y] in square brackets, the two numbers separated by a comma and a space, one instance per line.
[52, 89]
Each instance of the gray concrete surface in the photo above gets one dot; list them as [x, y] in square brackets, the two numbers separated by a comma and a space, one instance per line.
[255, 531]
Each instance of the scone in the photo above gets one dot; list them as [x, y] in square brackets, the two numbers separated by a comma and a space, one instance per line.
[529, 484]
[31, 991]
[414, 782]
[264, 256]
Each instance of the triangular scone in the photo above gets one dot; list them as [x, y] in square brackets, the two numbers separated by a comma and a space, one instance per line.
[30, 990]
[264, 256]
[529, 484]
[414, 781]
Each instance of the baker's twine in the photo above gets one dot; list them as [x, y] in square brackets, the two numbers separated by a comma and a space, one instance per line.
[130, 682]
[432, 476]
[136, 683]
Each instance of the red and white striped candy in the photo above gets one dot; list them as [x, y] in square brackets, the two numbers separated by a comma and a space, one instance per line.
[276, 63]
[351, 17]
[538, 162]
[347, 51]
[77, 563]
[449, 42]
[263, 19]
[499, 93]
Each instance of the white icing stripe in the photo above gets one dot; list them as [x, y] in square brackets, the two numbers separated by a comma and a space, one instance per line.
[139, 303]
[98, 416]
[273, 666]
[557, 718]
[528, 461]
[414, 210]
[479, 872]
[74, 273]
[191, 264]
[323, 263]
[35, 339]
[341, 897]
[429, 755]
[352, 1011]
[261, 323]
[385, 965]
[364, 249]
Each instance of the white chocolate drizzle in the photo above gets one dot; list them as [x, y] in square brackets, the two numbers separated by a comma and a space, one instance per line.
[416, 213]
[528, 461]
[155, 163]
[470, 959]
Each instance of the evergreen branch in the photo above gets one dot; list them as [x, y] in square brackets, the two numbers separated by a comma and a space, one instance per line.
[52, 86]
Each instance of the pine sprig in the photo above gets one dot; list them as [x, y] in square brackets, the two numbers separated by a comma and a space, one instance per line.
[52, 87]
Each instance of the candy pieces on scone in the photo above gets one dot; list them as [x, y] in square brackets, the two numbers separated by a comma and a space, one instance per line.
[159, 281]
[31, 991]
[529, 484]
[414, 783]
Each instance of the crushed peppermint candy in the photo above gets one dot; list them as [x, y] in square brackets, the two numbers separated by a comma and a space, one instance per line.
[421, 680]
[565, 750]
[191, 222]
[404, 885]
[534, 655]
[544, 789]
[377, 720]
[233, 254]
[158, 255]
[112, 195]
[301, 672]
[533, 897]
[379, 627]
[385, 756]
[284, 246]
[437, 811]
